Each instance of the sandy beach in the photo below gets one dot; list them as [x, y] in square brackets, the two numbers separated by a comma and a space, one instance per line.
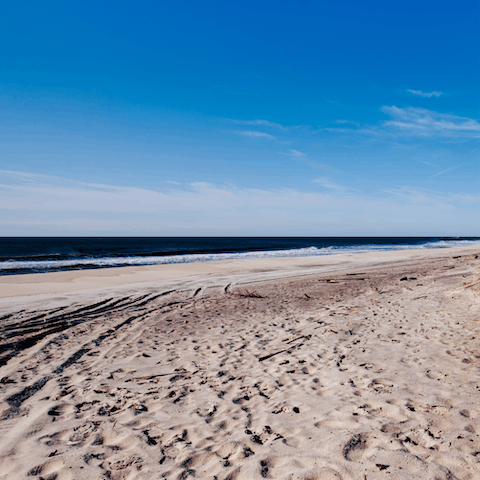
[361, 366]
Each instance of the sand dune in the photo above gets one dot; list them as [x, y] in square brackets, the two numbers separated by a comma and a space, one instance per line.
[360, 368]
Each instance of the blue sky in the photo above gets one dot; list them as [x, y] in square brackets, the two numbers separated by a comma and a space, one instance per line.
[248, 118]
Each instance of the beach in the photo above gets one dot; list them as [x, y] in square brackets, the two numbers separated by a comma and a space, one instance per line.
[360, 366]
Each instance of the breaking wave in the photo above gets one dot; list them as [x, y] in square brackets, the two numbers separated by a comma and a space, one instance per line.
[9, 267]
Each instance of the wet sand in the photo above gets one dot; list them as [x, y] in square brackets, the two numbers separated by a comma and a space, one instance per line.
[357, 366]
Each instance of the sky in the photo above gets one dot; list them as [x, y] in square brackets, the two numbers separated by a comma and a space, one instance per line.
[265, 118]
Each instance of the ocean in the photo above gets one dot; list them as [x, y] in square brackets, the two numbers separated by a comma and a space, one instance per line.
[49, 254]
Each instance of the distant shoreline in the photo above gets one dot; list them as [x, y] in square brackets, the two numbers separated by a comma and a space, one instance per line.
[24, 256]
[250, 270]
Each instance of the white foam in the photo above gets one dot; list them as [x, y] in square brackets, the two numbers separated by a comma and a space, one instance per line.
[40, 265]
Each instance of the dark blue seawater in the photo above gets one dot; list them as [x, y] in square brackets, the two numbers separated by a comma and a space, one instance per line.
[36, 255]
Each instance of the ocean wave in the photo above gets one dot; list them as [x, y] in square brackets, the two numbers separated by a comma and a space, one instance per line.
[37, 266]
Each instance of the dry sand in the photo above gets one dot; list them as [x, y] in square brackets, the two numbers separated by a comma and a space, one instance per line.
[348, 367]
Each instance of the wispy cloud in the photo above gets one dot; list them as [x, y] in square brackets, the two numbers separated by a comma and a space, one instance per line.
[201, 185]
[302, 157]
[295, 153]
[368, 130]
[327, 183]
[456, 166]
[447, 170]
[39, 204]
[28, 176]
[417, 197]
[345, 122]
[425, 94]
[428, 163]
[252, 133]
[422, 122]
[442, 199]
[412, 121]
[263, 123]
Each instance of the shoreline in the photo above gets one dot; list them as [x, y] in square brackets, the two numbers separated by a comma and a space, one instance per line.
[265, 269]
